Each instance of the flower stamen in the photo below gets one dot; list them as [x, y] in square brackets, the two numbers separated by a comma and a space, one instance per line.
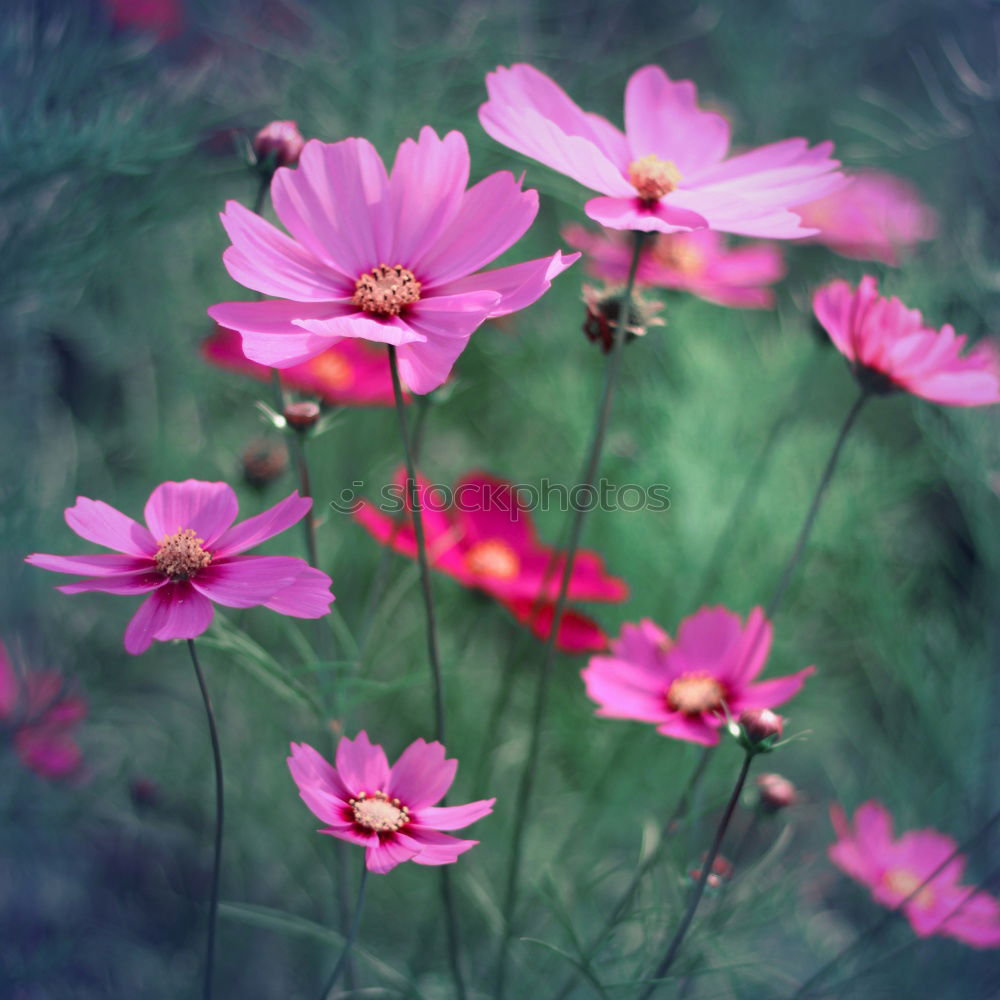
[652, 177]
[493, 558]
[904, 882]
[695, 693]
[181, 555]
[378, 812]
[386, 291]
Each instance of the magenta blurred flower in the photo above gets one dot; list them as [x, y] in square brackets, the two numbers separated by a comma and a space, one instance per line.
[387, 258]
[668, 171]
[39, 718]
[893, 869]
[698, 262]
[875, 217]
[162, 18]
[351, 373]
[486, 540]
[389, 811]
[188, 557]
[281, 140]
[685, 686]
[889, 348]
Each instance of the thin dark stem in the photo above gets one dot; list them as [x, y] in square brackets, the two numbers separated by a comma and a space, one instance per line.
[213, 910]
[807, 525]
[542, 685]
[351, 935]
[890, 915]
[625, 899]
[706, 869]
[413, 494]
[262, 190]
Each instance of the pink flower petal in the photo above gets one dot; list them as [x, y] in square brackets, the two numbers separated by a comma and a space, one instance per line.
[435, 848]
[426, 188]
[97, 522]
[9, 686]
[769, 694]
[662, 117]
[362, 765]
[266, 260]
[493, 215]
[208, 509]
[519, 285]
[446, 323]
[422, 775]
[452, 817]
[48, 751]
[319, 784]
[255, 530]
[247, 581]
[94, 565]
[629, 212]
[175, 611]
[307, 597]
[620, 699]
[123, 584]
[386, 854]
[692, 728]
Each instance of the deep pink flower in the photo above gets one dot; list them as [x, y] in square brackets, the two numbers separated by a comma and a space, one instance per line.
[698, 262]
[40, 718]
[387, 258]
[875, 217]
[486, 540]
[389, 811]
[188, 557]
[893, 869]
[682, 686]
[667, 172]
[351, 373]
[163, 19]
[890, 348]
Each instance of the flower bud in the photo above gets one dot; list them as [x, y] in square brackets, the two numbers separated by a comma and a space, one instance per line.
[603, 310]
[278, 145]
[302, 416]
[776, 792]
[759, 729]
[263, 461]
[721, 870]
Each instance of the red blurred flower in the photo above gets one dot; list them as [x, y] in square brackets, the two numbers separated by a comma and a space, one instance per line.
[351, 373]
[486, 541]
[40, 718]
[162, 18]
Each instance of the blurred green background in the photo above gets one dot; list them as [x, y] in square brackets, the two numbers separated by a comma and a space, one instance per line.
[117, 154]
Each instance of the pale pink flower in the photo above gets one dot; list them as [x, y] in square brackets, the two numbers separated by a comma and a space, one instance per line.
[391, 258]
[667, 172]
[40, 716]
[684, 686]
[875, 217]
[189, 556]
[892, 869]
[698, 262]
[889, 348]
[390, 811]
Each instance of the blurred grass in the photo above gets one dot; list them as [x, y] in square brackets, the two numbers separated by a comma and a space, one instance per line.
[109, 249]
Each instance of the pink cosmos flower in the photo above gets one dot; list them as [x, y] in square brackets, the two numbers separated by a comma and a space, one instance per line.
[392, 258]
[389, 811]
[486, 540]
[875, 217]
[188, 557]
[889, 348]
[682, 685]
[698, 262]
[40, 718]
[163, 19]
[351, 373]
[667, 172]
[893, 869]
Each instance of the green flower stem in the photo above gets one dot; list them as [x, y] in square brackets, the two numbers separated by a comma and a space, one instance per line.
[542, 686]
[352, 933]
[706, 869]
[213, 910]
[451, 923]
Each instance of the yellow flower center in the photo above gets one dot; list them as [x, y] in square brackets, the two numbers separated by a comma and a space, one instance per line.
[653, 177]
[678, 255]
[493, 558]
[333, 368]
[693, 694]
[386, 291]
[379, 813]
[903, 881]
[181, 555]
